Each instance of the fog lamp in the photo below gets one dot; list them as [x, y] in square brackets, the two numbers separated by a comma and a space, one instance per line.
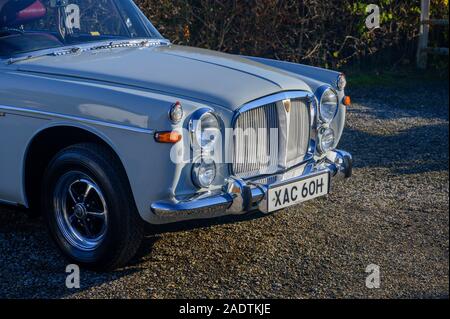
[204, 173]
[326, 140]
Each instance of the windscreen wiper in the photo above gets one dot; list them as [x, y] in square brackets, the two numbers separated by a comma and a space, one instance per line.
[71, 50]
[104, 46]
[129, 44]
[111, 45]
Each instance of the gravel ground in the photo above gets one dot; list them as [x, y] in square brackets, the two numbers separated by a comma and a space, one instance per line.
[392, 213]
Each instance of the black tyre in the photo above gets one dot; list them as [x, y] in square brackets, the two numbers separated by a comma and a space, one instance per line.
[89, 208]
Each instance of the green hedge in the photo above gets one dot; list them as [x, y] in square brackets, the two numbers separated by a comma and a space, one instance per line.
[328, 33]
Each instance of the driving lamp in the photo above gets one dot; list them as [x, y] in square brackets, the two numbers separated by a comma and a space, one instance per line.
[327, 139]
[203, 173]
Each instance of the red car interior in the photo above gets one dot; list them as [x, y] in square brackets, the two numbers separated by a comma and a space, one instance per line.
[15, 13]
[35, 11]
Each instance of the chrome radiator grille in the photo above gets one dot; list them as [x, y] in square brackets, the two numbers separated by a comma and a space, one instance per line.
[270, 137]
[255, 149]
[299, 132]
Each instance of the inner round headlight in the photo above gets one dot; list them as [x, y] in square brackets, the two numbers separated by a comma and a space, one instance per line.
[328, 106]
[205, 129]
[326, 140]
[204, 173]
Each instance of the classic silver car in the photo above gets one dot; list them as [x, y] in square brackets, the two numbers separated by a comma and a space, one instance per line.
[106, 125]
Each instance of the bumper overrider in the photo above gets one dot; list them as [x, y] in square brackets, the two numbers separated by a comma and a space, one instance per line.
[242, 196]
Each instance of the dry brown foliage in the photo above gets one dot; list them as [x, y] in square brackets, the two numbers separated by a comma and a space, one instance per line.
[327, 33]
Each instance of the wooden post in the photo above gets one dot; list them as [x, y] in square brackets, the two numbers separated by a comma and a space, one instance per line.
[422, 57]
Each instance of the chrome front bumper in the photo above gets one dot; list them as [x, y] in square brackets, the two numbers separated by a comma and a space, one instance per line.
[244, 196]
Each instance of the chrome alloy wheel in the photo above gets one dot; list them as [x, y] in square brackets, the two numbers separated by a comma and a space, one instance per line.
[81, 211]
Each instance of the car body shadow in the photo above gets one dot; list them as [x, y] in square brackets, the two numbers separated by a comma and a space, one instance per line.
[416, 150]
[32, 267]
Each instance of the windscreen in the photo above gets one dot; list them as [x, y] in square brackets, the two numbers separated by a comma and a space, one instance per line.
[28, 25]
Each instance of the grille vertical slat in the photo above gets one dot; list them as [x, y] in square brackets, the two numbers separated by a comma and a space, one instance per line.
[256, 152]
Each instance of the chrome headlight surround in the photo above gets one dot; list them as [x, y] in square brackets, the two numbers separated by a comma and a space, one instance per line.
[204, 128]
[328, 103]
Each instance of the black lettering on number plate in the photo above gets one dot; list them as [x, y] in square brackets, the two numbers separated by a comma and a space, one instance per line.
[320, 185]
[305, 190]
[278, 198]
[294, 195]
[287, 200]
[312, 187]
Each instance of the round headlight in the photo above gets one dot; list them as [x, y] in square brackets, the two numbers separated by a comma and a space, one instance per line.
[326, 140]
[328, 105]
[203, 173]
[205, 129]
[341, 82]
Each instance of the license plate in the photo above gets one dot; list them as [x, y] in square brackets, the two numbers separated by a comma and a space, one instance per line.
[282, 196]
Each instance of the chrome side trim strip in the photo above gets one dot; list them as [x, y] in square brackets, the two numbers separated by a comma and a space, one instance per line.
[77, 119]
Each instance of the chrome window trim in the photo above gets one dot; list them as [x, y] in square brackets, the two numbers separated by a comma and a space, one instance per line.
[7, 202]
[14, 110]
[287, 95]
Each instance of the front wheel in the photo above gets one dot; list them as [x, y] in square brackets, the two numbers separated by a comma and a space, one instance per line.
[89, 208]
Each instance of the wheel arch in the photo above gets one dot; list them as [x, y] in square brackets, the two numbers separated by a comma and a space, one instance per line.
[45, 144]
